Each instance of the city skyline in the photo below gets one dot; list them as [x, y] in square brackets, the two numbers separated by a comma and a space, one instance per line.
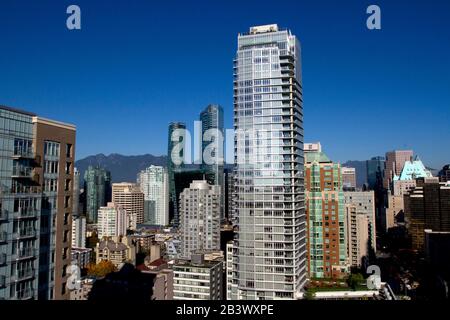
[361, 68]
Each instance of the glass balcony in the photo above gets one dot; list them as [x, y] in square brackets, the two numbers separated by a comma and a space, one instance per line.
[3, 237]
[24, 213]
[25, 253]
[22, 172]
[28, 232]
[24, 294]
[24, 274]
[23, 153]
[2, 259]
[3, 215]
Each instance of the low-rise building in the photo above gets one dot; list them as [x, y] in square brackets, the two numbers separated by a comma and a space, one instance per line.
[117, 250]
[197, 279]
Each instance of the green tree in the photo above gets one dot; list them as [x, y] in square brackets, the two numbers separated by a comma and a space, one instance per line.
[354, 280]
[309, 295]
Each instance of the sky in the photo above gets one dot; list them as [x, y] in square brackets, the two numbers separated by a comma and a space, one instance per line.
[137, 65]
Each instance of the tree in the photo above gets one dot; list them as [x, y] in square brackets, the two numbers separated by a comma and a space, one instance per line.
[309, 295]
[354, 280]
[101, 269]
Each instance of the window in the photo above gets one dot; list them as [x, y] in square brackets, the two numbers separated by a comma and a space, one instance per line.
[68, 150]
[51, 148]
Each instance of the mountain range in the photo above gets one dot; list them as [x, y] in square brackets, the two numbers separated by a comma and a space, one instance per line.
[123, 168]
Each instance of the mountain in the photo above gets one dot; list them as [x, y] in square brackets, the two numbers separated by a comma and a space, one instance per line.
[361, 171]
[122, 168]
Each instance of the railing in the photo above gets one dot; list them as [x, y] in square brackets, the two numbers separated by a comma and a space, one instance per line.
[24, 274]
[25, 233]
[3, 215]
[24, 294]
[22, 152]
[22, 171]
[25, 253]
[28, 212]
[3, 237]
[2, 259]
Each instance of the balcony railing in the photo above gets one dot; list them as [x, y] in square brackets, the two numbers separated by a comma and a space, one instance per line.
[23, 153]
[22, 172]
[25, 233]
[3, 215]
[25, 253]
[24, 294]
[23, 274]
[2, 259]
[28, 212]
[3, 237]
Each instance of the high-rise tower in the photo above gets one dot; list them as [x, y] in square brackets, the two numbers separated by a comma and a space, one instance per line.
[269, 251]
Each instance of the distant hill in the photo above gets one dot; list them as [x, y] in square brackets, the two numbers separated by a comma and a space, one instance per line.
[361, 171]
[123, 168]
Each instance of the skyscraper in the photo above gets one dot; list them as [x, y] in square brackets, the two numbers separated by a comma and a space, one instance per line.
[375, 171]
[37, 157]
[364, 203]
[427, 206]
[348, 178]
[176, 144]
[97, 188]
[200, 218]
[325, 216]
[154, 184]
[78, 231]
[395, 160]
[213, 148]
[269, 249]
[131, 199]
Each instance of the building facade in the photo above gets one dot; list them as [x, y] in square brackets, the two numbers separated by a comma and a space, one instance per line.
[79, 231]
[200, 218]
[97, 189]
[213, 148]
[427, 207]
[348, 178]
[197, 279]
[395, 160]
[131, 199]
[176, 144]
[269, 247]
[36, 158]
[364, 201]
[154, 184]
[357, 238]
[325, 216]
[113, 221]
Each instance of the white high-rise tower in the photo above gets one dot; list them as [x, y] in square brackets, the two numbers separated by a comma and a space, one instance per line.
[269, 252]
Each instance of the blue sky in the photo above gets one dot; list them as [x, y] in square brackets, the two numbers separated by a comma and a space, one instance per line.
[137, 65]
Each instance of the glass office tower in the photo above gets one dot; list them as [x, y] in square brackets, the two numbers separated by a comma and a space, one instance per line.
[212, 129]
[269, 253]
[176, 144]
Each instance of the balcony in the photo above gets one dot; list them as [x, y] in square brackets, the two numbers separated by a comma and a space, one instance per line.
[22, 172]
[3, 215]
[28, 232]
[3, 237]
[25, 294]
[23, 153]
[25, 213]
[22, 275]
[2, 259]
[25, 253]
